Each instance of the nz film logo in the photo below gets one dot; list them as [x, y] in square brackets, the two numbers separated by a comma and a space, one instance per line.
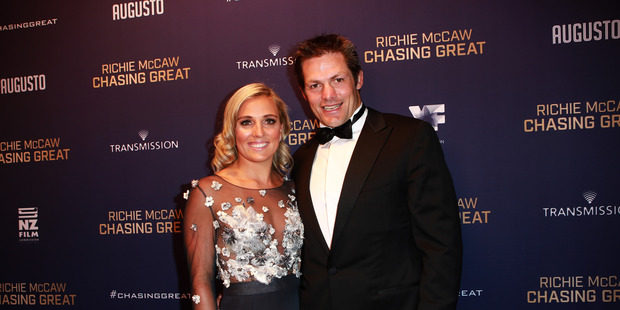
[430, 113]
[28, 224]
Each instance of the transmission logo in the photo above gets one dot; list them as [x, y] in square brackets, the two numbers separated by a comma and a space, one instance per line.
[273, 61]
[274, 49]
[143, 134]
[430, 113]
[577, 210]
[589, 196]
[144, 145]
[28, 224]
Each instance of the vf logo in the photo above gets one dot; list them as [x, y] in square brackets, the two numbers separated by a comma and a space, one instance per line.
[430, 113]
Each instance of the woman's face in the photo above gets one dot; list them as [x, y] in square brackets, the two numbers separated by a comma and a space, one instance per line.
[258, 130]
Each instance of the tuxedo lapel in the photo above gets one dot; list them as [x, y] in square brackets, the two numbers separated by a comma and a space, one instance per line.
[372, 138]
[304, 163]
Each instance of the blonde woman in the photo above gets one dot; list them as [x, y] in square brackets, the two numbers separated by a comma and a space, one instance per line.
[242, 226]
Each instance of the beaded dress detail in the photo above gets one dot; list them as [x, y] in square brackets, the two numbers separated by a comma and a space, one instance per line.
[256, 235]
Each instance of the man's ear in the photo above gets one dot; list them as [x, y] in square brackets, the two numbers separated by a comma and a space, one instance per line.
[360, 80]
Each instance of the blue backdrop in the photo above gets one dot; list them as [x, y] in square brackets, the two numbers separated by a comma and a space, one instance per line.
[108, 110]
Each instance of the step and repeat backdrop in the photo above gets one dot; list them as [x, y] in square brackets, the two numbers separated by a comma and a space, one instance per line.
[108, 111]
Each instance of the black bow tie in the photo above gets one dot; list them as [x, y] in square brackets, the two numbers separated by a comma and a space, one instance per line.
[344, 131]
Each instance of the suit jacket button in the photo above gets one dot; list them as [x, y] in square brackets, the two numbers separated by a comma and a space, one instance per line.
[333, 270]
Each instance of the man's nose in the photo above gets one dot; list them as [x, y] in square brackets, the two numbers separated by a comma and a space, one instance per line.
[328, 92]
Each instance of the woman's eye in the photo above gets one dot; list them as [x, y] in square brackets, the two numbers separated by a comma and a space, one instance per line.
[271, 121]
[245, 122]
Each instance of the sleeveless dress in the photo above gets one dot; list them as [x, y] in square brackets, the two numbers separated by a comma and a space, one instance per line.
[252, 237]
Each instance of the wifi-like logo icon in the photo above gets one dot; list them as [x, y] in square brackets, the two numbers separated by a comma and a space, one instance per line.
[274, 49]
[143, 134]
[589, 196]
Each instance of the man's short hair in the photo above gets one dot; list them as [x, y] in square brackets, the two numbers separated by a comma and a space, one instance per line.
[326, 44]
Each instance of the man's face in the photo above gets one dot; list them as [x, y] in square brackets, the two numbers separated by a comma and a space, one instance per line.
[330, 88]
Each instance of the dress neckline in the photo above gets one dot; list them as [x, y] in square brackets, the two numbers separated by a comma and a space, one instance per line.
[248, 188]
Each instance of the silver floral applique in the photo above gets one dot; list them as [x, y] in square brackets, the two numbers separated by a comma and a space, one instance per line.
[226, 205]
[196, 299]
[251, 241]
[209, 201]
[216, 185]
[292, 240]
[247, 249]
[194, 227]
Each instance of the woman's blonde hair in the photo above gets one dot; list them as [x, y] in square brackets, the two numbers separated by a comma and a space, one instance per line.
[225, 148]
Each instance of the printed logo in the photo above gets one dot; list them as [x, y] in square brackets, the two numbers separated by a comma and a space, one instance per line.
[427, 45]
[137, 9]
[23, 84]
[114, 294]
[267, 62]
[586, 32]
[574, 115]
[144, 146]
[143, 134]
[589, 196]
[32, 150]
[33, 24]
[471, 293]
[137, 222]
[603, 209]
[135, 72]
[586, 289]
[470, 213]
[302, 130]
[36, 294]
[430, 113]
[28, 224]
[274, 49]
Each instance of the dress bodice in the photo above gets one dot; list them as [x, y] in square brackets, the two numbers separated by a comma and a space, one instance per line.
[257, 234]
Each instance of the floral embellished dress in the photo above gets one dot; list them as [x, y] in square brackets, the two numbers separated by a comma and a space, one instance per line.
[245, 235]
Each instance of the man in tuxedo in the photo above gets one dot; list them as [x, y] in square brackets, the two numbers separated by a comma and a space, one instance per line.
[376, 197]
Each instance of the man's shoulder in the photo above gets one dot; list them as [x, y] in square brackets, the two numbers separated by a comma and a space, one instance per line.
[397, 120]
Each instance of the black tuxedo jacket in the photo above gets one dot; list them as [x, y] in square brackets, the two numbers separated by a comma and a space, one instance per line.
[397, 240]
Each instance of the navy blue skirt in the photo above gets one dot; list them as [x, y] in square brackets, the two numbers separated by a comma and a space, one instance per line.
[280, 294]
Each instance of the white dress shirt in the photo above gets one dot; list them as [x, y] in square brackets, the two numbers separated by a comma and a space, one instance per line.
[328, 170]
